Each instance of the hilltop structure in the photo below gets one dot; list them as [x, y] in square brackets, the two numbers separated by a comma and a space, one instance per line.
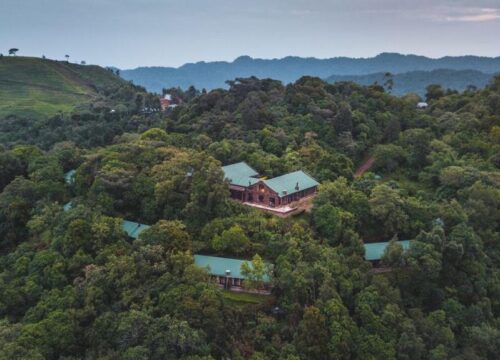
[167, 102]
[280, 194]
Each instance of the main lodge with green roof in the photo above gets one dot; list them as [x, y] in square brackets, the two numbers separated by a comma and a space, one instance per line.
[248, 187]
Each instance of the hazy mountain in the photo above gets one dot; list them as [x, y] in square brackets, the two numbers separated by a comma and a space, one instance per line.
[417, 81]
[211, 75]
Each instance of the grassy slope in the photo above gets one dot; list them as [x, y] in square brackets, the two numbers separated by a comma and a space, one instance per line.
[32, 87]
[242, 299]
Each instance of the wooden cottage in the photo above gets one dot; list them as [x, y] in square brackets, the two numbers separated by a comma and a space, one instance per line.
[375, 251]
[227, 272]
[246, 186]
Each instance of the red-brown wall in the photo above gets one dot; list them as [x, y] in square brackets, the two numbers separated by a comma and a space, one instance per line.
[261, 194]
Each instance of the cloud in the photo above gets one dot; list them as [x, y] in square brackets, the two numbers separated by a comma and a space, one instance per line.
[301, 12]
[469, 15]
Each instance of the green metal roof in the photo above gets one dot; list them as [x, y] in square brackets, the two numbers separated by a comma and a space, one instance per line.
[291, 183]
[219, 265]
[68, 206]
[240, 174]
[375, 251]
[133, 229]
[69, 177]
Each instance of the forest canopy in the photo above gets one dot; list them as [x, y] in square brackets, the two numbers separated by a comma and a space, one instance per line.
[73, 285]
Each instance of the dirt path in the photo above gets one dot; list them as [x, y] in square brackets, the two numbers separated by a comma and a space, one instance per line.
[364, 167]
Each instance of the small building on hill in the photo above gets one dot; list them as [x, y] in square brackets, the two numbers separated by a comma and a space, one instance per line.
[279, 192]
[168, 102]
[68, 206]
[165, 101]
[227, 272]
[69, 177]
[133, 229]
[375, 251]
[422, 105]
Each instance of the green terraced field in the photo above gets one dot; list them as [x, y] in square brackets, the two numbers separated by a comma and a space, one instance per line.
[34, 88]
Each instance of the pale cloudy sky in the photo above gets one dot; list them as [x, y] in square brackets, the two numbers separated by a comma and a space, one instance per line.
[130, 33]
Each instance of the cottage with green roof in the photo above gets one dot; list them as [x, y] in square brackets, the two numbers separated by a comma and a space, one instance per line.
[226, 271]
[375, 251]
[133, 229]
[273, 194]
[69, 177]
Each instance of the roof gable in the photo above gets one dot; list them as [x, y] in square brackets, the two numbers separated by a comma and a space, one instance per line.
[291, 183]
[240, 174]
[68, 206]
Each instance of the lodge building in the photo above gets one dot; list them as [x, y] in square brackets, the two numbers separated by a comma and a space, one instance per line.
[226, 272]
[246, 186]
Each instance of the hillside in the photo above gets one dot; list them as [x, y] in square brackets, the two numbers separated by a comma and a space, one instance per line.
[44, 102]
[210, 75]
[33, 87]
[417, 81]
[71, 265]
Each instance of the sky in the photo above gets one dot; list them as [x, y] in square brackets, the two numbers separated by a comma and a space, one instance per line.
[132, 33]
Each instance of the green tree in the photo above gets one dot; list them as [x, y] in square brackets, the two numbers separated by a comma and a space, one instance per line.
[387, 206]
[312, 335]
[233, 240]
[16, 203]
[171, 235]
[332, 222]
[389, 157]
[10, 167]
[254, 272]
[343, 119]
[434, 92]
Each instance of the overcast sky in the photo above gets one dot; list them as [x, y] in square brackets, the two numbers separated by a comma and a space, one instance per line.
[131, 33]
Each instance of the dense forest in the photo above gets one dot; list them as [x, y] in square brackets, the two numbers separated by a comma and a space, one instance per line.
[74, 286]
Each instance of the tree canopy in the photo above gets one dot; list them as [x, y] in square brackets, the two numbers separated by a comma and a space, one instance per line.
[74, 285]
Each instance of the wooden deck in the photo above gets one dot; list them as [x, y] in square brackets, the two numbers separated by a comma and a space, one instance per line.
[297, 207]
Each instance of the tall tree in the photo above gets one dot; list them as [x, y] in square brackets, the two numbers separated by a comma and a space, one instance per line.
[254, 272]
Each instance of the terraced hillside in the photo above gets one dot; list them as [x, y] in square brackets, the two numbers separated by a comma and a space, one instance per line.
[35, 88]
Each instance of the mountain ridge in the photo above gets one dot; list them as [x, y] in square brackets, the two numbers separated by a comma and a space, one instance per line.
[417, 81]
[210, 75]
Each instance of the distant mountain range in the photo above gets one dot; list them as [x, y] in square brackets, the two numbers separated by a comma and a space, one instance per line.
[210, 75]
[417, 81]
